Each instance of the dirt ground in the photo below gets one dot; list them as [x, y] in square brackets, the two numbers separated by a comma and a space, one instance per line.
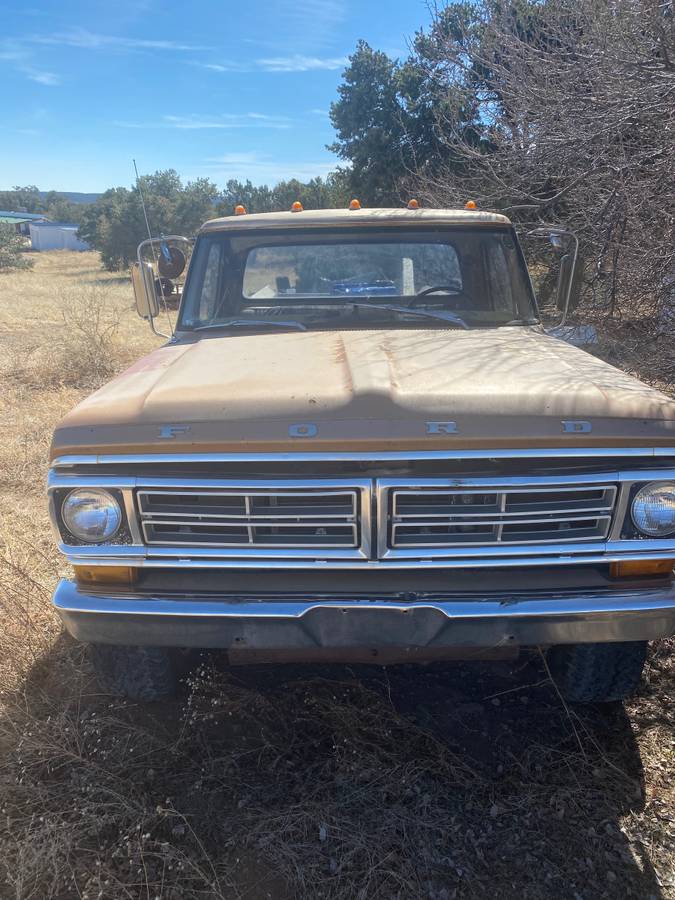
[457, 780]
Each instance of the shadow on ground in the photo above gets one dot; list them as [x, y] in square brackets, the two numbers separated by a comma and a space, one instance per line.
[452, 780]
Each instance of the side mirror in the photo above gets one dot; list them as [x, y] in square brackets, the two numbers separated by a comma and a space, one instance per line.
[568, 287]
[565, 274]
[156, 277]
[143, 281]
[570, 281]
[576, 283]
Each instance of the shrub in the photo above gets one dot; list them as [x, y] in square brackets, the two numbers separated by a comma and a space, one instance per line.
[12, 246]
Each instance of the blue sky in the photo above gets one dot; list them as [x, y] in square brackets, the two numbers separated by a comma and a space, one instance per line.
[219, 89]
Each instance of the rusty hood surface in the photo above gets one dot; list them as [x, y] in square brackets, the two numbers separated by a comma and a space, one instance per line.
[366, 390]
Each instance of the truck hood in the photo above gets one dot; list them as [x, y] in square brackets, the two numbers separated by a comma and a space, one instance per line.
[367, 390]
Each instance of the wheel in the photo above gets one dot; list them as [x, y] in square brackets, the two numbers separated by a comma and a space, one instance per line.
[139, 673]
[597, 673]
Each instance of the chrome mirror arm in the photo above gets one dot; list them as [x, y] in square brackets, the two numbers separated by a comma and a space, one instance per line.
[558, 230]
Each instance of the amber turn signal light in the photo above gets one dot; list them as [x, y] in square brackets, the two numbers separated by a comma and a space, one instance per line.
[641, 567]
[106, 574]
[240, 210]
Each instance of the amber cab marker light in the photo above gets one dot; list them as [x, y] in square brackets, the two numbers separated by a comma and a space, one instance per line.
[240, 210]
[470, 204]
[413, 204]
[632, 567]
[355, 204]
[297, 206]
[106, 574]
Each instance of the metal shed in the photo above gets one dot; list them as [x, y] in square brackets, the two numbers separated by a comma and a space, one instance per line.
[55, 236]
[20, 220]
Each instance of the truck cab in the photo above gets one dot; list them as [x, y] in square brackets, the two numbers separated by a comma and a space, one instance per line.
[360, 444]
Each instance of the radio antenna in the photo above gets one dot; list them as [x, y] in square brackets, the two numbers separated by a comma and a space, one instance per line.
[140, 191]
[155, 255]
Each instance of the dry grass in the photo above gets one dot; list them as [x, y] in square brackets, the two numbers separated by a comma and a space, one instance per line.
[447, 781]
[65, 327]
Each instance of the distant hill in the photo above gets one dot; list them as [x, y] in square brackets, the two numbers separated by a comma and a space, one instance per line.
[75, 196]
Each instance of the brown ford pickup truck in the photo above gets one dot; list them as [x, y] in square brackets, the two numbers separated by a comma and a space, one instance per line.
[359, 443]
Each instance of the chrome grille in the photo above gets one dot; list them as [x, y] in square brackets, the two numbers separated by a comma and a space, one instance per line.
[252, 518]
[453, 517]
[482, 508]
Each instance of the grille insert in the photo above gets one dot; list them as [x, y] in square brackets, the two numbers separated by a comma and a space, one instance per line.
[454, 517]
[251, 518]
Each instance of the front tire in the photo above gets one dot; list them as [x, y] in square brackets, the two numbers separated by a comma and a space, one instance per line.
[597, 673]
[139, 673]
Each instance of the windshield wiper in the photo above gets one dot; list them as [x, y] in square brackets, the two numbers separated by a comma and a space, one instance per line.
[441, 314]
[252, 323]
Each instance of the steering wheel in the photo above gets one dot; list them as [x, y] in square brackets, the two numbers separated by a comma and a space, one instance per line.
[448, 288]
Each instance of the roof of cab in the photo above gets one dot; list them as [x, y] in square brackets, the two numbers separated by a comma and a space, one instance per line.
[318, 218]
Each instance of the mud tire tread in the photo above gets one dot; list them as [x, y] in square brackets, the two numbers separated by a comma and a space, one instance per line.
[597, 673]
[139, 673]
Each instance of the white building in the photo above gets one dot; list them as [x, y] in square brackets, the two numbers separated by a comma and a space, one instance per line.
[55, 236]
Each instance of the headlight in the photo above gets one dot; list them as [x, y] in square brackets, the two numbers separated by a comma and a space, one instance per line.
[91, 514]
[653, 510]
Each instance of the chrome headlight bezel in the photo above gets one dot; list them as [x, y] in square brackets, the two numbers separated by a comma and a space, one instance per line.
[112, 518]
[639, 509]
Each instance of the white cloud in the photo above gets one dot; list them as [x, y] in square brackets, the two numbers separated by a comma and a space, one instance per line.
[88, 40]
[195, 122]
[247, 157]
[299, 63]
[228, 120]
[22, 51]
[11, 51]
[314, 22]
[261, 168]
[51, 79]
[294, 63]
[223, 67]
[214, 67]
[301, 23]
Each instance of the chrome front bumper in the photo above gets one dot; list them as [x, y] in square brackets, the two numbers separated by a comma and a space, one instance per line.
[348, 621]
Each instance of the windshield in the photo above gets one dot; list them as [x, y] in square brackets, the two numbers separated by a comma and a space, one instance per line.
[340, 279]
